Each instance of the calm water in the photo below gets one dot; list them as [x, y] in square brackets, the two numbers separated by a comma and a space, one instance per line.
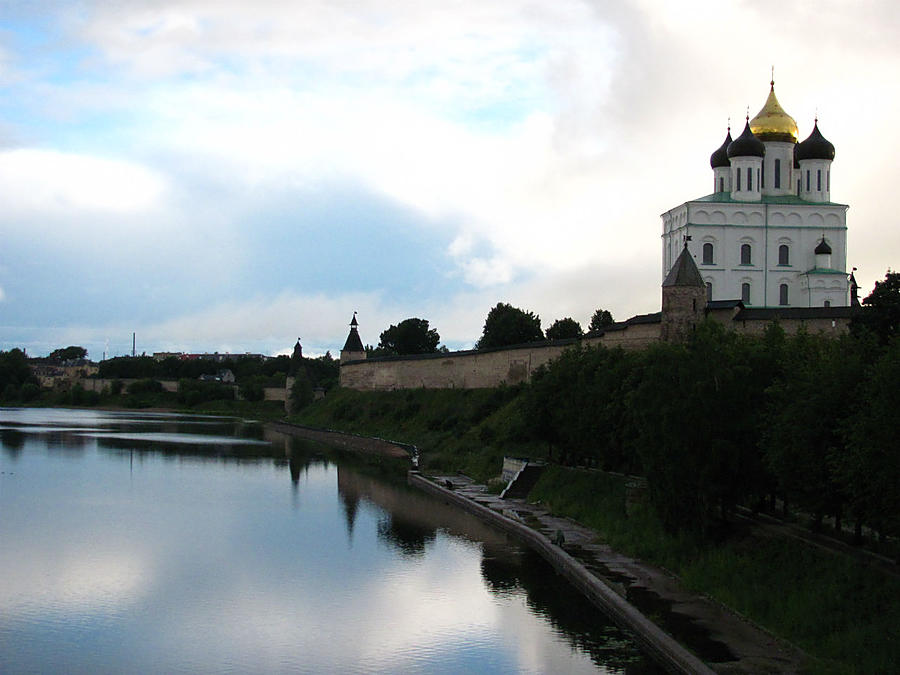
[158, 543]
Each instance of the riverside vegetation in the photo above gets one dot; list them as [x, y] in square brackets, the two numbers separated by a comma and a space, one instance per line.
[802, 427]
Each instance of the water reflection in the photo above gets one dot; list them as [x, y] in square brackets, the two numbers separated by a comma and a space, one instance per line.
[199, 557]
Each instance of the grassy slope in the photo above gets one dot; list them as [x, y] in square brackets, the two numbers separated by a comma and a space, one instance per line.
[840, 611]
[468, 430]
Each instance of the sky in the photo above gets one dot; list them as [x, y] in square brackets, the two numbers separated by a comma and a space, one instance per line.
[218, 175]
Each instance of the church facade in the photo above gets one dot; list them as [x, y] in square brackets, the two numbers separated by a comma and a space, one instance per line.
[769, 234]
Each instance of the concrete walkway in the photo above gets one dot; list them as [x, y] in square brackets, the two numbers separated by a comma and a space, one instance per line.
[726, 642]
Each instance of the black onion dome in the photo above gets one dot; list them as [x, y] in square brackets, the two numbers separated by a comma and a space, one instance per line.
[815, 147]
[720, 157]
[823, 248]
[746, 145]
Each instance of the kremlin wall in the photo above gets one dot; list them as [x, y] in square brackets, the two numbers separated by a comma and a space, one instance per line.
[768, 245]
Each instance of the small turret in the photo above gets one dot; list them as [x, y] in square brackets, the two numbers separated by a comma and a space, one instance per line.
[353, 348]
[746, 154]
[721, 166]
[854, 290]
[683, 298]
[823, 255]
[814, 156]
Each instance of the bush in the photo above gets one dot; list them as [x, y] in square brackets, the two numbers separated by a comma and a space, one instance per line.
[146, 386]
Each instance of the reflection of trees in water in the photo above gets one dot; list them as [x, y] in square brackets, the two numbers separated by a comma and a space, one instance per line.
[206, 452]
[406, 536]
[551, 596]
[350, 503]
[12, 441]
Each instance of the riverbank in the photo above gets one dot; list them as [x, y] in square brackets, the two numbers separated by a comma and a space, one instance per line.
[838, 607]
[729, 643]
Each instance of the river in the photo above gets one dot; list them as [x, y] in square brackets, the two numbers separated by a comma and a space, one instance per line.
[158, 543]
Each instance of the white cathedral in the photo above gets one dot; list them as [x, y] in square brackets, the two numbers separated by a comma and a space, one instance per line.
[769, 233]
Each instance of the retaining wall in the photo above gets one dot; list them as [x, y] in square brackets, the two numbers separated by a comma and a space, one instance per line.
[669, 653]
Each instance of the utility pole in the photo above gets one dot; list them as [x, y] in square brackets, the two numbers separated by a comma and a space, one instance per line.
[133, 336]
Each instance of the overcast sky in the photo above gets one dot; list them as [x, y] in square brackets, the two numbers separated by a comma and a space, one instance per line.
[220, 175]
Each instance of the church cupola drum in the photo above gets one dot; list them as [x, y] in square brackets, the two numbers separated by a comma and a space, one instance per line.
[754, 237]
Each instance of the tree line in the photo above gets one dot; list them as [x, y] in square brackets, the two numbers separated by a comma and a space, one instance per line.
[505, 325]
[725, 420]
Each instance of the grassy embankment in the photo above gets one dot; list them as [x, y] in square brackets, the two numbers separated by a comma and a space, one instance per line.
[467, 430]
[156, 400]
[843, 613]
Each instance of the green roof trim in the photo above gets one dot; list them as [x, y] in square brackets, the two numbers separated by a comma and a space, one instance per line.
[824, 270]
[793, 200]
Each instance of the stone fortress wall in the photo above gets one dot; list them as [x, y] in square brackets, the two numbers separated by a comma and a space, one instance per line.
[508, 366]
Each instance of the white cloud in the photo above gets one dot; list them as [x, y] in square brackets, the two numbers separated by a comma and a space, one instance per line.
[546, 138]
[48, 181]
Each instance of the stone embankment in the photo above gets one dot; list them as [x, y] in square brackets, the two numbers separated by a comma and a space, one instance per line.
[340, 439]
[688, 633]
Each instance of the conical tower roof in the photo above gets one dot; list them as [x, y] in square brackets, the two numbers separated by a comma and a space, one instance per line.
[684, 272]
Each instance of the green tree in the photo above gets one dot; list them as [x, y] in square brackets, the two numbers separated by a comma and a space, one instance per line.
[14, 372]
[869, 470]
[507, 325]
[302, 391]
[564, 328]
[601, 319]
[68, 353]
[410, 336]
[881, 309]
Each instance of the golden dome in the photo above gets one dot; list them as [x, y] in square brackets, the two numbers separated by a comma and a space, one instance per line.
[772, 123]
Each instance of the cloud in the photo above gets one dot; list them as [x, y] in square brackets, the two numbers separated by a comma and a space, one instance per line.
[208, 159]
[52, 182]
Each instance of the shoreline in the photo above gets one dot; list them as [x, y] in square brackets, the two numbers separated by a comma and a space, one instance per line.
[734, 644]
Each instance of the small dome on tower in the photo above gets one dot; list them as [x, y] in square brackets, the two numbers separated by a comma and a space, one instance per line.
[772, 123]
[720, 157]
[823, 248]
[746, 145]
[815, 147]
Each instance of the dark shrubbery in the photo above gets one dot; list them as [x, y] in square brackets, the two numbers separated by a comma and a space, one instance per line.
[725, 420]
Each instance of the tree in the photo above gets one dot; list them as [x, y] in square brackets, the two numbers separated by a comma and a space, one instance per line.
[881, 309]
[507, 325]
[601, 319]
[68, 353]
[564, 328]
[410, 336]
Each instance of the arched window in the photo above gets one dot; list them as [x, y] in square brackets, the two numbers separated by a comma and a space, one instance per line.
[784, 255]
[807, 180]
[745, 293]
[828, 303]
[819, 180]
[762, 178]
[709, 291]
[828, 180]
[707, 254]
[745, 254]
[777, 173]
[783, 294]
[738, 172]
[721, 184]
[749, 178]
